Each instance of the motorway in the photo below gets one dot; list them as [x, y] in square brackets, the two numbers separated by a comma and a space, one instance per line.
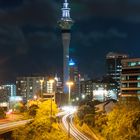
[12, 125]
[67, 121]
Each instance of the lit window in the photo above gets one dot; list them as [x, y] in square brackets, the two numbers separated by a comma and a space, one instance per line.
[132, 64]
[124, 78]
[123, 85]
[138, 84]
[138, 78]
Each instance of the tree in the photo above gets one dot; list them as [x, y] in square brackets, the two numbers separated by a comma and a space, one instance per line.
[2, 113]
[100, 121]
[123, 123]
[89, 119]
[33, 110]
[86, 114]
[19, 107]
[42, 127]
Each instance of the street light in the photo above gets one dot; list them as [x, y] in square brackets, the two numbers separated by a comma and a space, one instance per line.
[77, 99]
[35, 97]
[83, 96]
[51, 81]
[69, 83]
[41, 86]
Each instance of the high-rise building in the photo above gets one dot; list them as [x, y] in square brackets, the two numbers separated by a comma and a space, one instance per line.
[28, 87]
[74, 77]
[86, 87]
[40, 86]
[6, 92]
[11, 89]
[114, 66]
[73, 71]
[65, 23]
[130, 78]
[99, 90]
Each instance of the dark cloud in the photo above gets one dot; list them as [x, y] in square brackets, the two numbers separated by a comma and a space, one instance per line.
[127, 10]
[3, 60]
[97, 36]
[43, 39]
[30, 12]
[11, 37]
[30, 40]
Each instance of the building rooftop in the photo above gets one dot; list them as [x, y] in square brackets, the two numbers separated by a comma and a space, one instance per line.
[116, 55]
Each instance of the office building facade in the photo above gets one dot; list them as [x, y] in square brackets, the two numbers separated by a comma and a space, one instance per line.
[39, 86]
[114, 66]
[98, 90]
[6, 92]
[130, 78]
[74, 77]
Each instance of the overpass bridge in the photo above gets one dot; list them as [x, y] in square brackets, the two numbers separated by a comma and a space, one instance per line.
[7, 128]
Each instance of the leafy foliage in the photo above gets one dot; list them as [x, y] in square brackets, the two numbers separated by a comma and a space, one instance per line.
[86, 113]
[123, 123]
[43, 127]
[19, 107]
[2, 113]
[100, 121]
[89, 119]
[33, 110]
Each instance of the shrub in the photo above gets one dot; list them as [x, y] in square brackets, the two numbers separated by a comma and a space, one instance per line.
[2, 113]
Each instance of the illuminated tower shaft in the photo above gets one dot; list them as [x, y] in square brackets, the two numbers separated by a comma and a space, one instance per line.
[65, 24]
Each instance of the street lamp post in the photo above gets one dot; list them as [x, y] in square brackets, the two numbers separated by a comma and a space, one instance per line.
[69, 83]
[51, 91]
[35, 97]
[41, 86]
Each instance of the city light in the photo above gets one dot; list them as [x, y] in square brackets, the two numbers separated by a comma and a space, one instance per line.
[69, 83]
[9, 111]
[100, 94]
[51, 81]
[77, 99]
[69, 109]
[44, 97]
[35, 97]
[83, 96]
[71, 63]
[41, 86]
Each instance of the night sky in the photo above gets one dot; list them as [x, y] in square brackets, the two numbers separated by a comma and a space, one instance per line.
[30, 40]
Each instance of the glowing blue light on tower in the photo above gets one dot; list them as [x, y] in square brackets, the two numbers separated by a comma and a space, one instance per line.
[71, 63]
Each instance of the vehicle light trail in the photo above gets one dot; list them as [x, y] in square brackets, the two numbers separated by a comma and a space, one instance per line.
[11, 125]
[73, 130]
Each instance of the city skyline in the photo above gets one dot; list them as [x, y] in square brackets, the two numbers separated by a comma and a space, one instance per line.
[30, 38]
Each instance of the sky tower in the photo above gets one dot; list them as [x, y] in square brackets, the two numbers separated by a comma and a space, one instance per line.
[65, 23]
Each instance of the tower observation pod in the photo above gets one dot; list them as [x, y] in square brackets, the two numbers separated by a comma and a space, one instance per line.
[65, 24]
